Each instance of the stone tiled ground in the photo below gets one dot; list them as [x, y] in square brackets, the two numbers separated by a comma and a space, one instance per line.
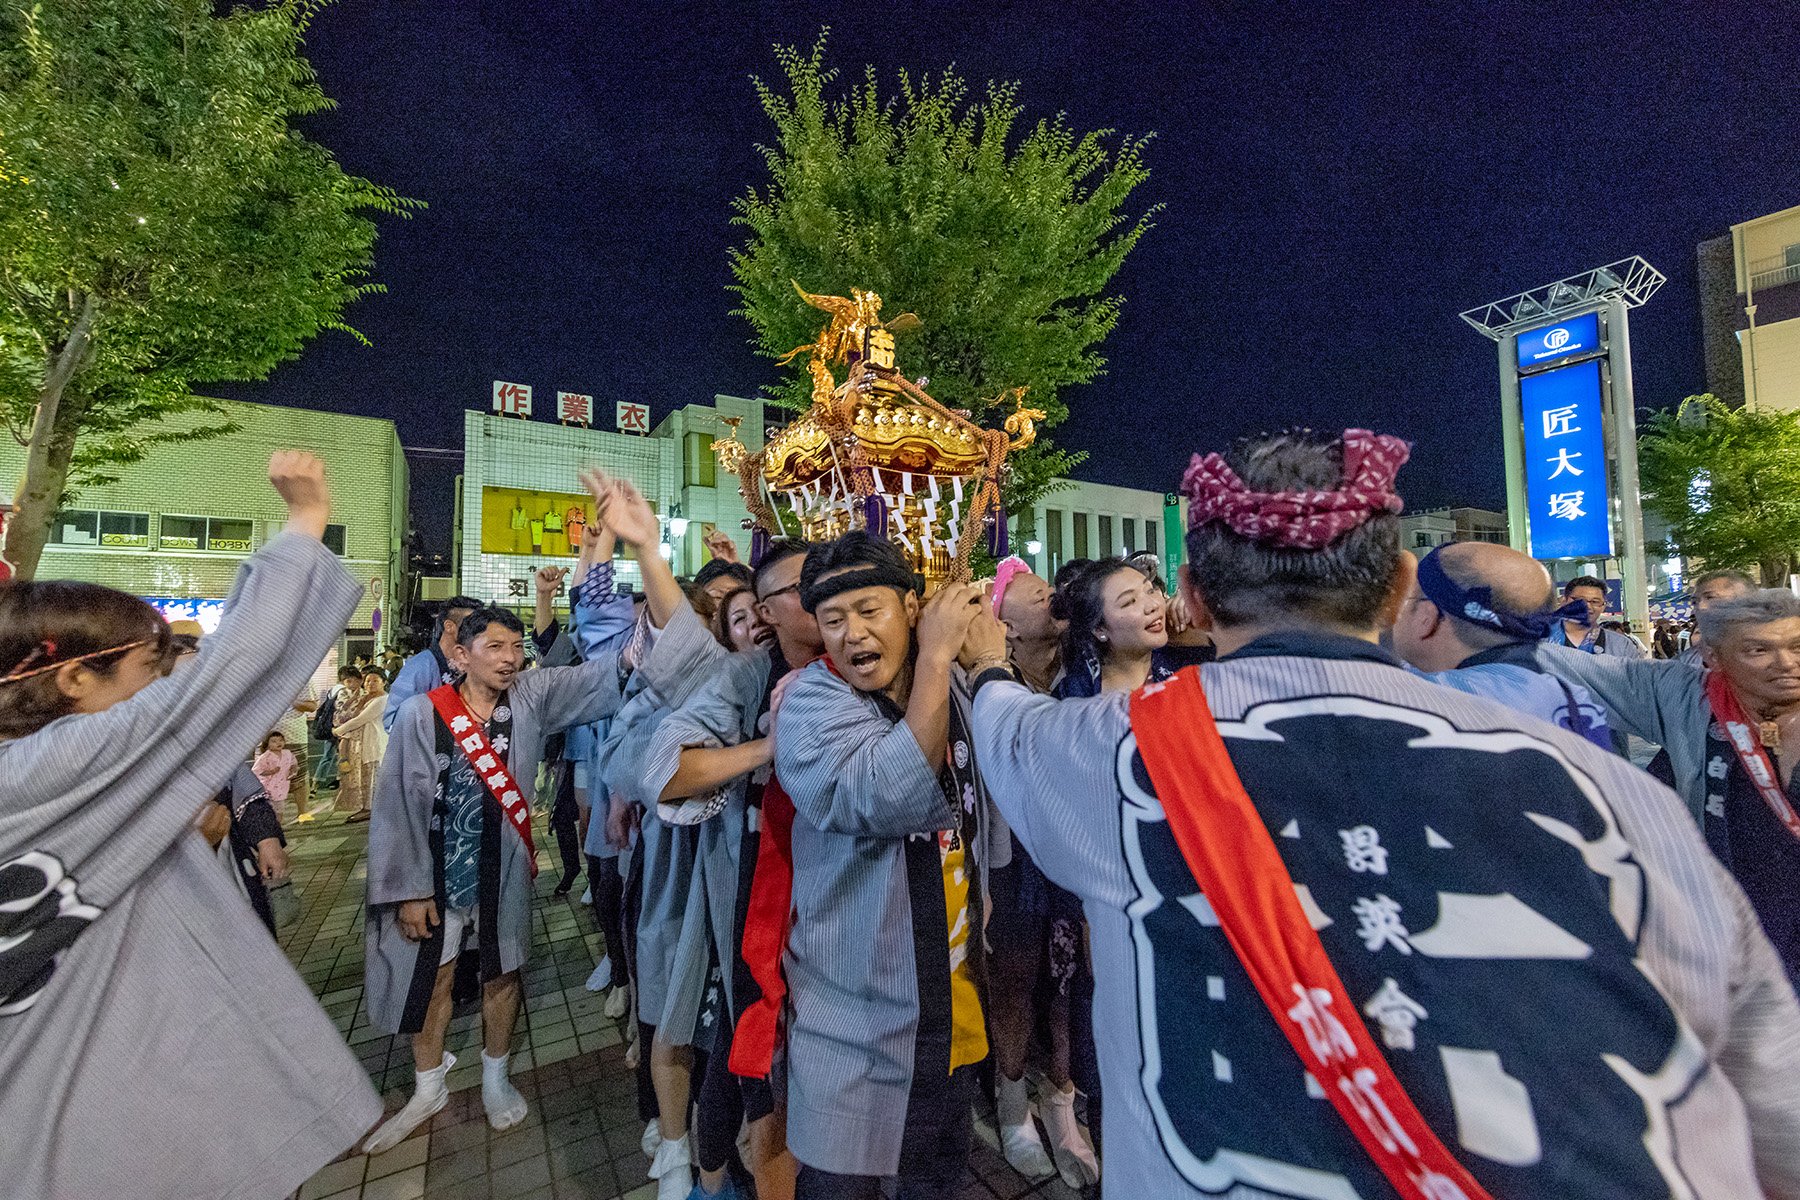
[581, 1136]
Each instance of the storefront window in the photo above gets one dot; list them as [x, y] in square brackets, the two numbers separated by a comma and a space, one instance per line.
[222, 535]
[182, 533]
[700, 467]
[88, 527]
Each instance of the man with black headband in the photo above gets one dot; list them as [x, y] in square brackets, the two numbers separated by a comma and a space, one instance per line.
[886, 1020]
[1472, 621]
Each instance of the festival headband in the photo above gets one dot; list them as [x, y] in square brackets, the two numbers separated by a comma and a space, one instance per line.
[871, 575]
[1303, 520]
[47, 648]
[1476, 605]
[1009, 568]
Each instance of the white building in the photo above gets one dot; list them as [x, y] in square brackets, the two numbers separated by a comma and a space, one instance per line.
[1094, 520]
[518, 494]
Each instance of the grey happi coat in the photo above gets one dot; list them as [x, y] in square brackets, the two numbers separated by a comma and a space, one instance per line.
[687, 656]
[721, 712]
[401, 866]
[170, 1050]
[861, 787]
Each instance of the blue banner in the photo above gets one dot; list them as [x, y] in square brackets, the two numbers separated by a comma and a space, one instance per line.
[1566, 489]
[1577, 335]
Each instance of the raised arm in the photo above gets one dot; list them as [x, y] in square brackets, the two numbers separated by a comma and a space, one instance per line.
[548, 581]
[627, 514]
[848, 769]
[599, 619]
[108, 792]
[1646, 697]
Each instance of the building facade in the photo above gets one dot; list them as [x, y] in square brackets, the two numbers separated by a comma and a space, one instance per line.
[176, 526]
[520, 507]
[1422, 531]
[1750, 311]
[518, 496]
[1094, 520]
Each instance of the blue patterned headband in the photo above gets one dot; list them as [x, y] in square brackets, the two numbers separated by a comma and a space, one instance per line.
[1476, 605]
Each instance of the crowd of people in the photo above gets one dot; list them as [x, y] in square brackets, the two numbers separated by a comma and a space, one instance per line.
[1315, 870]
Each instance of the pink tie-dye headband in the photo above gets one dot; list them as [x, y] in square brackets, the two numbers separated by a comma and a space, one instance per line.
[1004, 574]
[1304, 520]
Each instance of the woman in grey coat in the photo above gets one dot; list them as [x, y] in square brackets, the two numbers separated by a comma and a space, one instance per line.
[154, 1041]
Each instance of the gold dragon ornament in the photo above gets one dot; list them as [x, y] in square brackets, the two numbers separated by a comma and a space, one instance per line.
[878, 434]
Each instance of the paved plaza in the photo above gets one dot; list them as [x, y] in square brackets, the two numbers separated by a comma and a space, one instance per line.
[581, 1136]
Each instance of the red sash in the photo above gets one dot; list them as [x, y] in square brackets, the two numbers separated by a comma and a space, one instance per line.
[1745, 738]
[470, 738]
[765, 936]
[1234, 860]
[766, 931]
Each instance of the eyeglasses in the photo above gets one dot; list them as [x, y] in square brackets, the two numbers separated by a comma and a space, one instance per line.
[792, 587]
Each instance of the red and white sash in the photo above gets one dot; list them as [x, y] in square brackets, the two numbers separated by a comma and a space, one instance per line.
[1235, 862]
[489, 765]
[1745, 737]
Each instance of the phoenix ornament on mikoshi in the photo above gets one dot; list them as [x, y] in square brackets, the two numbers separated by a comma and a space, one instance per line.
[876, 452]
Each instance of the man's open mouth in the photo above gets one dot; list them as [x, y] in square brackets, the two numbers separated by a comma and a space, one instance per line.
[865, 659]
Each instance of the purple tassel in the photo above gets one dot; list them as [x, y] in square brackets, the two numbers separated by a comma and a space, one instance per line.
[875, 515]
[759, 545]
[996, 540]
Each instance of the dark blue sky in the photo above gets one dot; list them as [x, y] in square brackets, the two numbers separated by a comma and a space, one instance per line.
[1340, 181]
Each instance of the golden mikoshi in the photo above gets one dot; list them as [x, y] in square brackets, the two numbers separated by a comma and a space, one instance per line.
[879, 437]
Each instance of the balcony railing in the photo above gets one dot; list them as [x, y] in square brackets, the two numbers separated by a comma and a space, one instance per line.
[1773, 272]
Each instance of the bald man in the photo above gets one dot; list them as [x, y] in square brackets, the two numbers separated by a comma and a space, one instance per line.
[1033, 636]
[1472, 621]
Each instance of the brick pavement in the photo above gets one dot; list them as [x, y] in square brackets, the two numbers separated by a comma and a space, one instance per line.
[580, 1139]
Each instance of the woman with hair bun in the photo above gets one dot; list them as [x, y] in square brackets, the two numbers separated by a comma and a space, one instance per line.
[1118, 628]
[144, 1011]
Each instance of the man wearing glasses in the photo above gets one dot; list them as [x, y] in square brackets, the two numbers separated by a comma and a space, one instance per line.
[1589, 636]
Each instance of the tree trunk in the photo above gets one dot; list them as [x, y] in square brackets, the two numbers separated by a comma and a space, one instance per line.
[51, 449]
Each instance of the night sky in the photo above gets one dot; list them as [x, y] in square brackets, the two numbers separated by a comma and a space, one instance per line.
[1339, 182]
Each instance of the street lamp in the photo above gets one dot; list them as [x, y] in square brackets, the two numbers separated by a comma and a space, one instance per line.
[666, 550]
[678, 526]
[1034, 547]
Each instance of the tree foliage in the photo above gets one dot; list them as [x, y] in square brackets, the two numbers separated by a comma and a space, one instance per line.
[162, 224]
[1002, 240]
[1727, 481]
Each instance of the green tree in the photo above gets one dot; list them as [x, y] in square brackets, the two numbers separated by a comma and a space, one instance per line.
[1003, 241]
[1727, 481]
[161, 224]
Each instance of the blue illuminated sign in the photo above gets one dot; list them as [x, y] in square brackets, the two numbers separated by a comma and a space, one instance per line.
[1577, 335]
[1565, 463]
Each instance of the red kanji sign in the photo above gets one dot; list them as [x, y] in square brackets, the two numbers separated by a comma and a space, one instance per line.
[573, 407]
[513, 399]
[632, 418]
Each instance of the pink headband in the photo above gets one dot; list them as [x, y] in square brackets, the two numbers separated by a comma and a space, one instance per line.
[1004, 574]
[1304, 520]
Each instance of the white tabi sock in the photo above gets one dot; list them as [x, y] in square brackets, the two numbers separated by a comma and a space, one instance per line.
[602, 975]
[430, 1094]
[1018, 1133]
[618, 1002]
[1075, 1159]
[505, 1107]
[672, 1169]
